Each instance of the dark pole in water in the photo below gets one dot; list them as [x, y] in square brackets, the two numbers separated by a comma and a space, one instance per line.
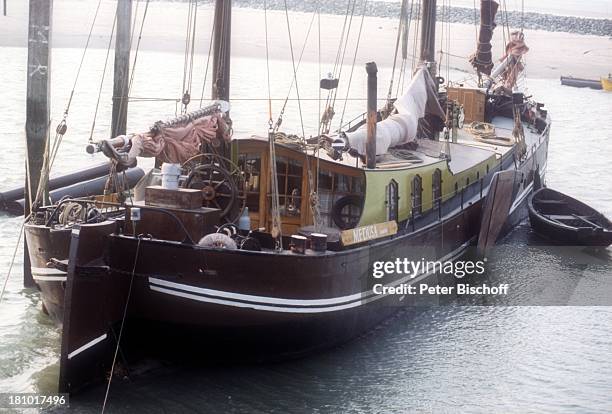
[37, 105]
[428, 36]
[371, 69]
[4, 9]
[221, 56]
[38, 91]
[122, 68]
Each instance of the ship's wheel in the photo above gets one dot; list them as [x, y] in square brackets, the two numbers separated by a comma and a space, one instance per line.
[220, 181]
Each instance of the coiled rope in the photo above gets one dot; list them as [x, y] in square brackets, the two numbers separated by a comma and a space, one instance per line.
[482, 130]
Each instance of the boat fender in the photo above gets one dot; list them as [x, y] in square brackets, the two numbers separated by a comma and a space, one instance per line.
[336, 213]
[218, 240]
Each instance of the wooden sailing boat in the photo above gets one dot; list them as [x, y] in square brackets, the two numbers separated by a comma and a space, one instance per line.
[174, 274]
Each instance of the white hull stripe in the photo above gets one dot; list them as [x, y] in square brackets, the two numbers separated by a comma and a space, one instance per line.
[520, 198]
[45, 274]
[276, 304]
[45, 271]
[253, 298]
[49, 278]
[253, 305]
[87, 346]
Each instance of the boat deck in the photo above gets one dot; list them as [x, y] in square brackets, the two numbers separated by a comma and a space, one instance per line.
[465, 153]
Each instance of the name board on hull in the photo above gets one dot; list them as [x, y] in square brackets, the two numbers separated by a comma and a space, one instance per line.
[367, 233]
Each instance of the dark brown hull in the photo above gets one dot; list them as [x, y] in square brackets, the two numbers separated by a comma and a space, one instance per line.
[46, 243]
[235, 304]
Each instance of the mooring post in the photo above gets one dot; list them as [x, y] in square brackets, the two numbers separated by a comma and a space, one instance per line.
[37, 107]
[4, 8]
[372, 117]
[122, 68]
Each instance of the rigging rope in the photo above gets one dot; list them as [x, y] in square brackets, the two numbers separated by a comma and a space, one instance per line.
[144, 16]
[313, 197]
[297, 89]
[397, 43]
[8, 274]
[279, 121]
[348, 32]
[348, 87]
[125, 308]
[405, 35]
[317, 217]
[276, 228]
[210, 44]
[110, 40]
[329, 113]
[416, 36]
[190, 37]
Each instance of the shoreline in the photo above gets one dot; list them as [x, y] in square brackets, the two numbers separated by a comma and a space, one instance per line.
[551, 54]
[528, 20]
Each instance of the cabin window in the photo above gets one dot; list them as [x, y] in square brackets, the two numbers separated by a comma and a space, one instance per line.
[487, 168]
[417, 195]
[477, 175]
[436, 188]
[289, 174]
[392, 201]
[340, 199]
[467, 182]
[250, 165]
[456, 188]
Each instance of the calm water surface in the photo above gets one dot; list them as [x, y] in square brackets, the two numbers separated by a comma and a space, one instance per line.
[442, 359]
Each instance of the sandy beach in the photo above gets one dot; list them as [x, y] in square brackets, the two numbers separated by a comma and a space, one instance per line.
[552, 53]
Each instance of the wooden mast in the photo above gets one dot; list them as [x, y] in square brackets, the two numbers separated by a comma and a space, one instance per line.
[221, 56]
[37, 106]
[372, 116]
[122, 68]
[428, 36]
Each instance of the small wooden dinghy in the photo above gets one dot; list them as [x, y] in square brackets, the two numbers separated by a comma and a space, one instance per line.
[581, 83]
[568, 221]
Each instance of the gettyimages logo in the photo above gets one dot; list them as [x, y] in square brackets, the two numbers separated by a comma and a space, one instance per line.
[430, 278]
[459, 268]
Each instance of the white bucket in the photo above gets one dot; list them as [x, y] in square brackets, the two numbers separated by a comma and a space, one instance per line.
[170, 175]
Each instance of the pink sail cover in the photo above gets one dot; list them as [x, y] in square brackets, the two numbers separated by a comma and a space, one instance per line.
[178, 144]
[515, 48]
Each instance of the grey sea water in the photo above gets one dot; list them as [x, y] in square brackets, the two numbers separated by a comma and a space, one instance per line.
[443, 359]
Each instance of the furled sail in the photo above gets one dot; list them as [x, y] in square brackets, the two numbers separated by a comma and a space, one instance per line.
[168, 143]
[178, 144]
[401, 127]
[482, 59]
[515, 49]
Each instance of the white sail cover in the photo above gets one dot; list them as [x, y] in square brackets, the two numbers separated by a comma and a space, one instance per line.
[401, 127]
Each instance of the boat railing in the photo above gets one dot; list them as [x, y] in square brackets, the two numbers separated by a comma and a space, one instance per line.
[356, 121]
[449, 202]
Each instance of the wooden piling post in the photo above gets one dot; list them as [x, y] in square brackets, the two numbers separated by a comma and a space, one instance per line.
[122, 68]
[37, 105]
